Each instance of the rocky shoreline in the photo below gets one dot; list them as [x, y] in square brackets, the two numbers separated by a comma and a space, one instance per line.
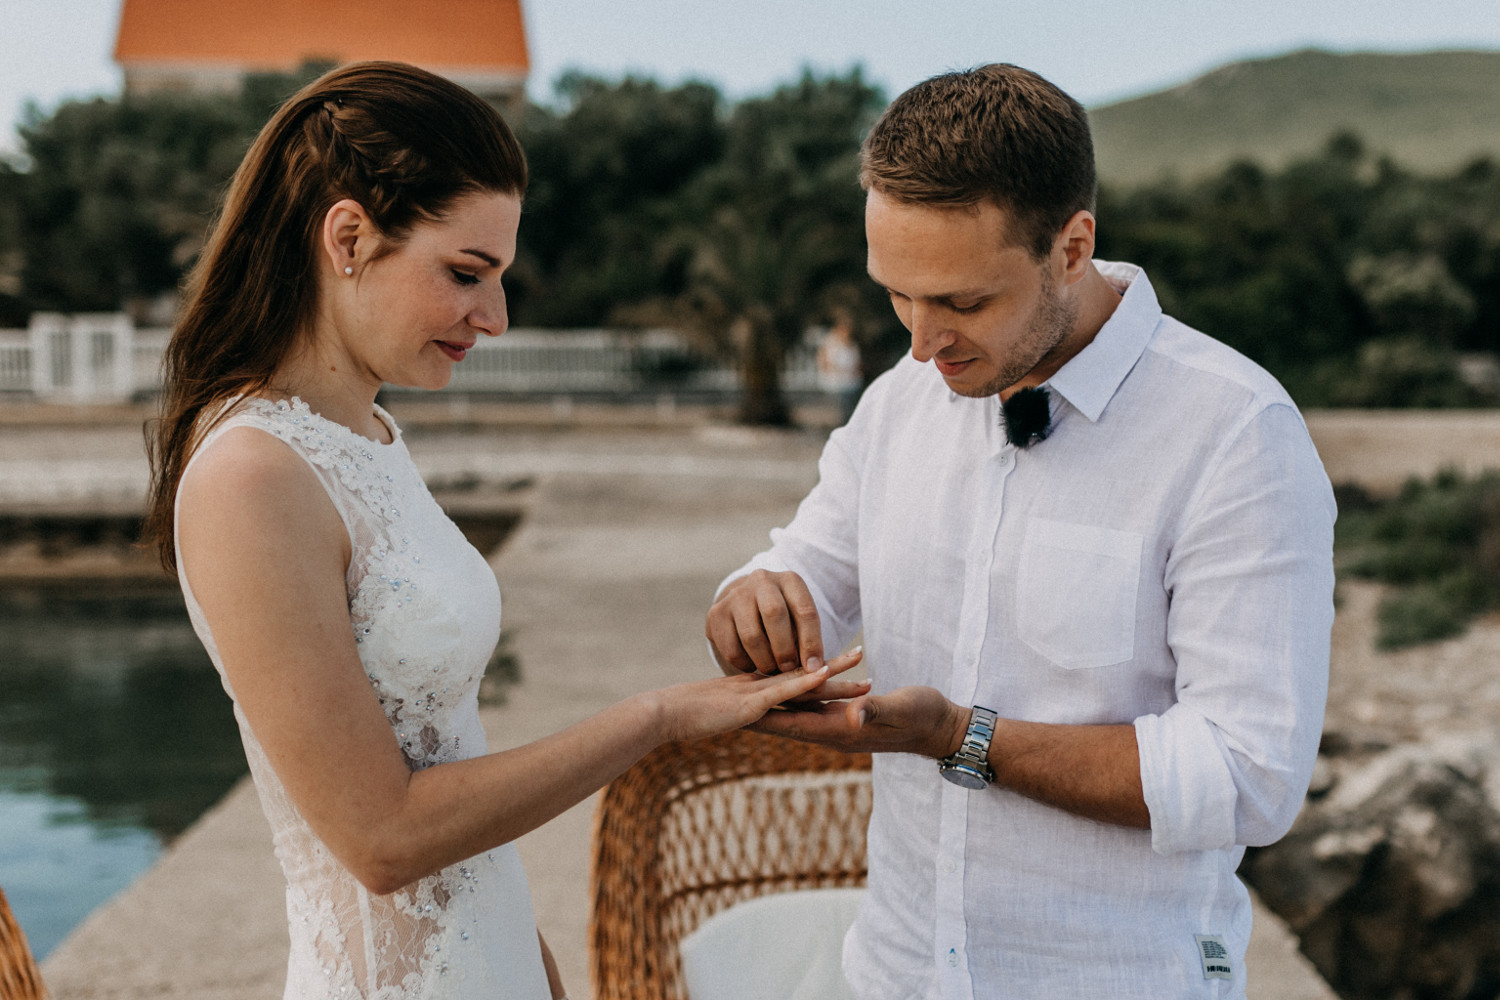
[1391, 875]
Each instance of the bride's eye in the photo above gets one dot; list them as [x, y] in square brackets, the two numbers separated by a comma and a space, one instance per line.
[464, 278]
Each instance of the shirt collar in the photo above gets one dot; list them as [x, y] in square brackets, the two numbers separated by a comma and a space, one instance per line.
[1092, 376]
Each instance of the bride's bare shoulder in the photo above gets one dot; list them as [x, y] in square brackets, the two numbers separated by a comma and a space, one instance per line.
[246, 460]
[246, 478]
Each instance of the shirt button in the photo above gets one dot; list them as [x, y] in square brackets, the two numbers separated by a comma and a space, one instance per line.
[949, 866]
[952, 959]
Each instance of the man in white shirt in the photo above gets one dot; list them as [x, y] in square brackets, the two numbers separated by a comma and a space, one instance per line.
[1127, 570]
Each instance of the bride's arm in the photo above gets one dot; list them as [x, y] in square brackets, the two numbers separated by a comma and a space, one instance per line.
[265, 555]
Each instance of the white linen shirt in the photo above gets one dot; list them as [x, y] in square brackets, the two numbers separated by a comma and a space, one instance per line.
[1164, 558]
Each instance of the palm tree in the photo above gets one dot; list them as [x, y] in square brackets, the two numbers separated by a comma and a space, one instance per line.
[773, 234]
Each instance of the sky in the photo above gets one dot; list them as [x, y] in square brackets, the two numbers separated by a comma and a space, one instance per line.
[1097, 50]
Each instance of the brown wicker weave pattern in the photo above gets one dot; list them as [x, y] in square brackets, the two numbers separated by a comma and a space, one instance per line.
[697, 827]
[20, 979]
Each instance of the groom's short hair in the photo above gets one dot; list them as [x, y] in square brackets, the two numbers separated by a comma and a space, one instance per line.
[998, 132]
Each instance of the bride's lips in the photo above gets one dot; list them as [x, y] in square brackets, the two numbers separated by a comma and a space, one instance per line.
[455, 352]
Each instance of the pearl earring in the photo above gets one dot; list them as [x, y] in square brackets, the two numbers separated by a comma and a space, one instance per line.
[349, 269]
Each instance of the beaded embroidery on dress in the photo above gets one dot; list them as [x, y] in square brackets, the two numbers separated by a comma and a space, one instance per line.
[425, 611]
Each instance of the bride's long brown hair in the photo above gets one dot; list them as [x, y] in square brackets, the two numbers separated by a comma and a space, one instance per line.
[400, 141]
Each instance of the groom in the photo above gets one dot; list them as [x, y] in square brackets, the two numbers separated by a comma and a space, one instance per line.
[1089, 549]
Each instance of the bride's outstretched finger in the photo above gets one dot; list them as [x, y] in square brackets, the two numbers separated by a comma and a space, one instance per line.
[704, 708]
[837, 690]
[778, 688]
[845, 661]
[831, 691]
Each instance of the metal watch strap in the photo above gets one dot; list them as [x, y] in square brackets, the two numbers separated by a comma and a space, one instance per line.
[969, 765]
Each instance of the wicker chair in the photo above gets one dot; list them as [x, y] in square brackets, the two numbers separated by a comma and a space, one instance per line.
[20, 979]
[697, 827]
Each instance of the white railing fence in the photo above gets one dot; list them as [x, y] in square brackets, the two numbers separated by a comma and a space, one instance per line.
[102, 358]
[83, 358]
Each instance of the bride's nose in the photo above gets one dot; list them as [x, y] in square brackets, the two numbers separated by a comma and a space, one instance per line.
[491, 317]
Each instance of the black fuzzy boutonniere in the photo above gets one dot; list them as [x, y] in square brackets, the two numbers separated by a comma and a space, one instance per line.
[1027, 416]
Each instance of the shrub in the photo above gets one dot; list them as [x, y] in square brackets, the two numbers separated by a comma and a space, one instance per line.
[1437, 546]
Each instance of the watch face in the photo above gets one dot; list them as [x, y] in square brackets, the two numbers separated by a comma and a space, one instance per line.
[964, 776]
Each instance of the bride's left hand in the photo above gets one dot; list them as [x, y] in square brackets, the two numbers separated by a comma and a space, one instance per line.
[917, 720]
[834, 689]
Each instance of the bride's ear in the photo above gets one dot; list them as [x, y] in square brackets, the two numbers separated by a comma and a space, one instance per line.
[349, 237]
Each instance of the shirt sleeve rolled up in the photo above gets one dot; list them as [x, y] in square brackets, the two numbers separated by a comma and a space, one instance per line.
[1250, 579]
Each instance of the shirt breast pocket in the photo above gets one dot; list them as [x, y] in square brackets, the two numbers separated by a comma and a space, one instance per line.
[1076, 591]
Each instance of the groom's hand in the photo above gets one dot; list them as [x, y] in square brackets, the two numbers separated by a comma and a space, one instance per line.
[767, 623]
[918, 720]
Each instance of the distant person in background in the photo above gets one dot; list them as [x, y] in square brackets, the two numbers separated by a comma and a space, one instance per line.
[363, 241]
[840, 372]
[1090, 552]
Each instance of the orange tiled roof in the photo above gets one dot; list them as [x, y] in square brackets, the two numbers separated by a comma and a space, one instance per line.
[272, 35]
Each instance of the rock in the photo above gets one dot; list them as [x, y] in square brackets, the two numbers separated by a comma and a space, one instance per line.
[1391, 874]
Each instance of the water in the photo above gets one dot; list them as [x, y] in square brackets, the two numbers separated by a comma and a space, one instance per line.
[114, 736]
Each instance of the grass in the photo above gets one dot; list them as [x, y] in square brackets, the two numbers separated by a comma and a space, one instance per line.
[1436, 545]
[1430, 112]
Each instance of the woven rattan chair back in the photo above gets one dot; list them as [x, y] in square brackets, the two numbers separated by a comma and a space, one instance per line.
[697, 827]
[20, 979]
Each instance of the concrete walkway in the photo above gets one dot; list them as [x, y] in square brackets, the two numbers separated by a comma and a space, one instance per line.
[605, 586]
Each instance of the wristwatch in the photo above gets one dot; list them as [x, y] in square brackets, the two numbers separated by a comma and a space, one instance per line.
[969, 765]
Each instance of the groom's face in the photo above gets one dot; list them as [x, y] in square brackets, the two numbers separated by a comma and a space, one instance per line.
[978, 305]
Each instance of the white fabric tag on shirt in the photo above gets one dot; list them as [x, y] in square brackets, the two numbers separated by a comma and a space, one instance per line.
[1215, 956]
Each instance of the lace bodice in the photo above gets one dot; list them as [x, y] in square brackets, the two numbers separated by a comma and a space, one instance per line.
[425, 612]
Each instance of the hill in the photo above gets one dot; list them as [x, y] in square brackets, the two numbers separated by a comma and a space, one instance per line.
[1429, 112]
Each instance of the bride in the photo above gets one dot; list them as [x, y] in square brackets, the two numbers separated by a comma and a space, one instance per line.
[362, 242]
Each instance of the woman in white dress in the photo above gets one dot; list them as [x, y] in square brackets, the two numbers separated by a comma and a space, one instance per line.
[362, 242]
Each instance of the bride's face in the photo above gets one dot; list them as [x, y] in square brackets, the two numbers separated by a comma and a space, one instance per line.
[406, 318]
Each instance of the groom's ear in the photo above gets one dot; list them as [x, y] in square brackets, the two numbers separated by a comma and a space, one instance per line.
[1073, 250]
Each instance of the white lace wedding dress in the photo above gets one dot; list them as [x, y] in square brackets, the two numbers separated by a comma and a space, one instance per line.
[425, 611]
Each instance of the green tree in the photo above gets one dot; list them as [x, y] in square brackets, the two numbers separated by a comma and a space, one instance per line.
[1354, 282]
[1456, 220]
[114, 202]
[1409, 293]
[13, 312]
[606, 169]
[773, 233]
[1254, 259]
[114, 205]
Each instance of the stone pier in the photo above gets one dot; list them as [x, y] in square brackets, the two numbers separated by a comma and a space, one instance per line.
[628, 525]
